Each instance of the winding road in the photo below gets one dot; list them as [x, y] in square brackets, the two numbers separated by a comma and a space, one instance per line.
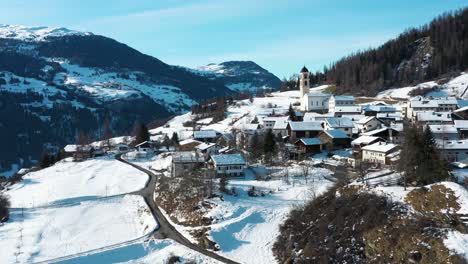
[165, 228]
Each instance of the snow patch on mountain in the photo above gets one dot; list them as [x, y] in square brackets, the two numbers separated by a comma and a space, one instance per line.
[105, 86]
[40, 33]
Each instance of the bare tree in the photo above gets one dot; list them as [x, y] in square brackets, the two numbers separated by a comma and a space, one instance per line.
[363, 168]
[306, 167]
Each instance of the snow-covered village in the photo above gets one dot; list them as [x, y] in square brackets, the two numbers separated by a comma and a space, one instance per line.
[121, 158]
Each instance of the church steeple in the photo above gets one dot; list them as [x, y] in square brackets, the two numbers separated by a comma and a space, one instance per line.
[304, 81]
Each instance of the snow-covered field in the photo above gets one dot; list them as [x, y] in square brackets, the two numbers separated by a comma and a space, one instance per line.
[68, 181]
[403, 93]
[40, 234]
[247, 227]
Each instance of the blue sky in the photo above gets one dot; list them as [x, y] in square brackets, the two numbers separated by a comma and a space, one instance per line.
[280, 35]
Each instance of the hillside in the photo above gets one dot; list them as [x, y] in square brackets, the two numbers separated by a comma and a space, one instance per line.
[240, 76]
[421, 54]
[73, 81]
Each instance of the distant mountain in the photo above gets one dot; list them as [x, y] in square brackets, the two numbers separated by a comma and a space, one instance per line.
[240, 76]
[435, 50]
[55, 82]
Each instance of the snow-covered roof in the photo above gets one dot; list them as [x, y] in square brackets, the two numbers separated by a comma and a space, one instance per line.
[380, 147]
[424, 104]
[187, 156]
[228, 159]
[344, 98]
[461, 124]
[354, 117]
[205, 146]
[348, 109]
[339, 122]
[312, 116]
[305, 126]
[280, 124]
[204, 134]
[396, 116]
[336, 133]
[365, 120]
[441, 129]
[311, 141]
[382, 108]
[317, 94]
[275, 118]
[376, 131]
[70, 148]
[364, 140]
[143, 143]
[189, 141]
[425, 116]
[463, 109]
[452, 144]
[74, 148]
[446, 100]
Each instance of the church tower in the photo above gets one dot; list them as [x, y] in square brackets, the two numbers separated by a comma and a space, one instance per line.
[304, 81]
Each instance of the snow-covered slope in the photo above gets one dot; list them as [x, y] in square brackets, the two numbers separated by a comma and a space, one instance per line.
[457, 86]
[69, 181]
[240, 76]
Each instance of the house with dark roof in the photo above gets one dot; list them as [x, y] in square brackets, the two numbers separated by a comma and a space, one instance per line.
[309, 145]
[334, 139]
[298, 129]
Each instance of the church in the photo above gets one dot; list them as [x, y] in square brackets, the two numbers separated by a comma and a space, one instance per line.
[311, 101]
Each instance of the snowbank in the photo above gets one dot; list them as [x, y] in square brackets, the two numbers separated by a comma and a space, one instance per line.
[68, 181]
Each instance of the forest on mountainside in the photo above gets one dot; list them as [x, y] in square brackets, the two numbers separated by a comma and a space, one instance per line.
[419, 54]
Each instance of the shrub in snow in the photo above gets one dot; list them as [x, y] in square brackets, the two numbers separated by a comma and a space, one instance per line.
[252, 192]
[4, 205]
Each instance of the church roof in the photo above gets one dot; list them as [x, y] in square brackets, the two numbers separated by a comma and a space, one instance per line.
[304, 69]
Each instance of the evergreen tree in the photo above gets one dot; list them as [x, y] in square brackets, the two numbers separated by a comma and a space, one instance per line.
[291, 113]
[255, 120]
[46, 160]
[269, 145]
[255, 146]
[4, 208]
[269, 142]
[175, 139]
[107, 133]
[419, 160]
[140, 132]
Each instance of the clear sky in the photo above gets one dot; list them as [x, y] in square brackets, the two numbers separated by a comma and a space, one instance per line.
[280, 35]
